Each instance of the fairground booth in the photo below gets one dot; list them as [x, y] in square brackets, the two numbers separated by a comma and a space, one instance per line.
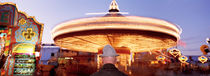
[20, 38]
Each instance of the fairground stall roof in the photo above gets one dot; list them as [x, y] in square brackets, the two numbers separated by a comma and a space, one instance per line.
[137, 34]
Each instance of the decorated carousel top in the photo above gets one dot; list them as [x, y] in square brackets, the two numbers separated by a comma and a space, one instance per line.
[138, 34]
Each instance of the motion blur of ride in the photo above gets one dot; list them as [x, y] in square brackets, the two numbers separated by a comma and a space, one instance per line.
[146, 46]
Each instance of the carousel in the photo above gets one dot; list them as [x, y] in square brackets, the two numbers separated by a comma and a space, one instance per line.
[127, 34]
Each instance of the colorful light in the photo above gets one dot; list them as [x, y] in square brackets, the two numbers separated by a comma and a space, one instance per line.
[183, 59]
[154, 62]
[175, 52]
[37, 54]
[24, 48]
[208, 40]
[160, 58]
[202, 59]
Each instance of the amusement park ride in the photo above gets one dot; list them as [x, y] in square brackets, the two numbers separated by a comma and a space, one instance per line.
[20, 37]
[127, 34]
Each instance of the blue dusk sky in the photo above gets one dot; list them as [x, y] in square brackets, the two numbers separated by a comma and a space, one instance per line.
[193, 16]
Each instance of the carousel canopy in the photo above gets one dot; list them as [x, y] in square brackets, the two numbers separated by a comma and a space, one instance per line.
[138, 34]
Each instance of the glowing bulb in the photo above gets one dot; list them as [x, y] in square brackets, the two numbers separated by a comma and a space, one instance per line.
[208, 40]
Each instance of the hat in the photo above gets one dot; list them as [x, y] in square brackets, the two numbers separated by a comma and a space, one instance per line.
[108, 50]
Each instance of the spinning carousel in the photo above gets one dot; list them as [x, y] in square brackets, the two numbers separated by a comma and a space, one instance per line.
[127, 34]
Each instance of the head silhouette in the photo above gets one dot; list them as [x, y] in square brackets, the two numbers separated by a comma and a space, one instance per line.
[109, 55]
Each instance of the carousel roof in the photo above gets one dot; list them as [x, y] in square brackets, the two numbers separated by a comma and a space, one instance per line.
[139, 34]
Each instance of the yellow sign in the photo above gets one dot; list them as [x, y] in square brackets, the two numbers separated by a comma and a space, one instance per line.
[24, 48]
[202, 59]
[183, 59]
[175, 52]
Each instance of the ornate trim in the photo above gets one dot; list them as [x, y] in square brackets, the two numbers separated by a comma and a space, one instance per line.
[29, 17]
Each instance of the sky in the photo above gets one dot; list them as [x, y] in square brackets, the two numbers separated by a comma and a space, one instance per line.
[193, 16]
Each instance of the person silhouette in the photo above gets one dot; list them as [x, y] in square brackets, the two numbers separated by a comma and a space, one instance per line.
[108, 60]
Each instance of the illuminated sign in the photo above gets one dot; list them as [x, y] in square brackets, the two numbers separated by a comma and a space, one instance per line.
[202, 59]
[175, 52]
[24, 59]
[24, 48]
[183, 59]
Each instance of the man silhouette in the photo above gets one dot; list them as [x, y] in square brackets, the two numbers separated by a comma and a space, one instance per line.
[109, 59]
